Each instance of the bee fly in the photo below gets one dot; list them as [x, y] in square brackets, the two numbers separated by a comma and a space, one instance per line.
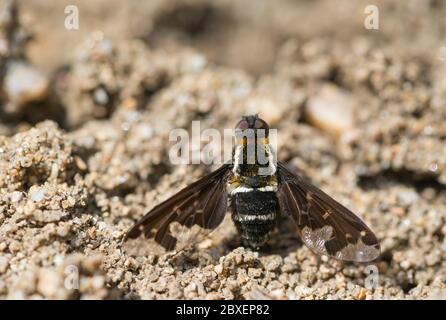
[257, 193]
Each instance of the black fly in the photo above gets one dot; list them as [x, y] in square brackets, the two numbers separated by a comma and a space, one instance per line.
[258, 190]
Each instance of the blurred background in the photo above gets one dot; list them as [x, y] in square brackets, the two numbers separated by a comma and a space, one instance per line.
[245, 35]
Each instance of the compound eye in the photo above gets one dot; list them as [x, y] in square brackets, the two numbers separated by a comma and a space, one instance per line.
[261, 124]
[242, 125]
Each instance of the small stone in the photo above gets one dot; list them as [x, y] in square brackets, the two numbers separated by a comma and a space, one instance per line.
[15, 246]
[331, 110]
[218, 268]
[37, 193]
[4, 263]
[91, 264]
[49, 215]
[238, 258]
[254, 272]
[362, 294]
[68, 203]
[101, 96]
[192, 286]
[80, 163]
[63, 230]
[277, 294]
[97, 282]
[273, 263]
[49, 283]
[92, 232]
[267, 108]
[242, 278]
[16, 196]
[23, 83]
[205, 244]
[29, 208]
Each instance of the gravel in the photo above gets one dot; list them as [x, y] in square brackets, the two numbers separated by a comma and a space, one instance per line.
[365, 122]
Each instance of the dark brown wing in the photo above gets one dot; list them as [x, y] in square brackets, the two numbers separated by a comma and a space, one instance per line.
[202, 204]
[325, 226]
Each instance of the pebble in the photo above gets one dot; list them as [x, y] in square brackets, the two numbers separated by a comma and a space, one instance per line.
[16, 196]
[49, 283]
[331, 110]
[23, 83]
[362, 294]
[4, 263]
[37, 193]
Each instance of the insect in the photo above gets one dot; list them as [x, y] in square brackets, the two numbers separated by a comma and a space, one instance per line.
[257, 192]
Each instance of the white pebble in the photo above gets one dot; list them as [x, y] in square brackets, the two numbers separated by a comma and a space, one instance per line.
[37, 194]
[16, 196]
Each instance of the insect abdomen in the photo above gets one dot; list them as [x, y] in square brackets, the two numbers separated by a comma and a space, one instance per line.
[254, 212]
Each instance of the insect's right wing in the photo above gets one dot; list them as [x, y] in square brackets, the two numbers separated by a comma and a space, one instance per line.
[325, 226]
[176, 222]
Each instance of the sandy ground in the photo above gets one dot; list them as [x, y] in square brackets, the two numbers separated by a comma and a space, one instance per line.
[85, 119]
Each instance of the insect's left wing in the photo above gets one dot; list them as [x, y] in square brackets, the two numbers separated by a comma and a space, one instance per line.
[325, 226]
[174, 223]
